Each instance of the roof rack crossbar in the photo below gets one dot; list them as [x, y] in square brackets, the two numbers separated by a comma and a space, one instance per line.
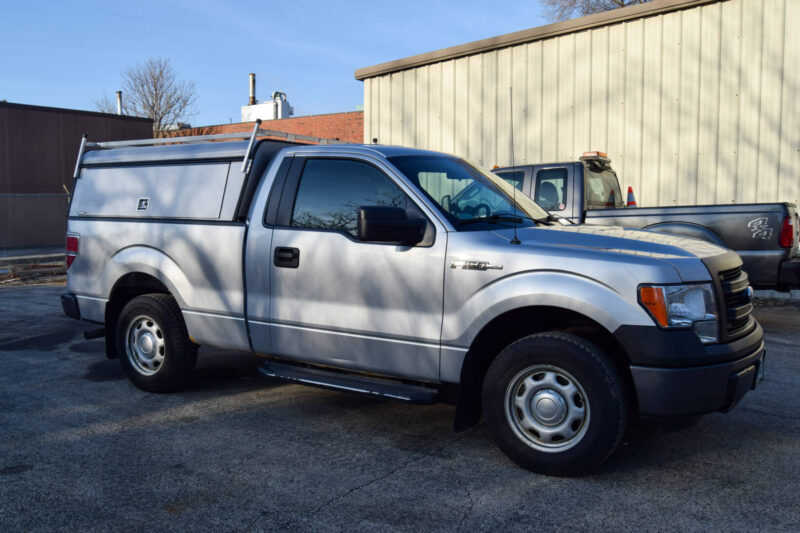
[214, 137]
[257, 132]
[80, 157]
[246, 161]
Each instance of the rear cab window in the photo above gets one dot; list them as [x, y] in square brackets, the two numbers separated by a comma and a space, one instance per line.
[601, 188]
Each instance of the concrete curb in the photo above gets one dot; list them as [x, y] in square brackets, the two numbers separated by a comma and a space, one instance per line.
[775, 295]
[31, 259]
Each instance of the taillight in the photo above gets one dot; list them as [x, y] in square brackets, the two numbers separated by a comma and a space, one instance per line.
[73, 243]
[786, 239]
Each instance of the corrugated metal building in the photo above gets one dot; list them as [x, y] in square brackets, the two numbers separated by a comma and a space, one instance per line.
[696, 101]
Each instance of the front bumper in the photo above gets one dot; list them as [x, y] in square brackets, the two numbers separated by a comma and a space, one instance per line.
[690, 388]
[698, 390]
[789, 275]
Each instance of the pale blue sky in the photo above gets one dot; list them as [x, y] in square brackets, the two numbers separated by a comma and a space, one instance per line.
[69, 53]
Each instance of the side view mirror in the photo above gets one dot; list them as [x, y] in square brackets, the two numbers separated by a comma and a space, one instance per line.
[389, 225]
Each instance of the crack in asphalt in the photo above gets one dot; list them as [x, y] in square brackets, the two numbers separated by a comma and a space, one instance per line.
[250, 526]
[469, 497]
[394, 470]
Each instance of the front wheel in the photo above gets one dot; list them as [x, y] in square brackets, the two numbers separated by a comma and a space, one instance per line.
[154, 346]
[554, 404]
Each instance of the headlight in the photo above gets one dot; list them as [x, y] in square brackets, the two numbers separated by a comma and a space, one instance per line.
[682, 306]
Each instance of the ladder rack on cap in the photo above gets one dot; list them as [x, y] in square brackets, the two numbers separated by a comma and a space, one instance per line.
[257, 132]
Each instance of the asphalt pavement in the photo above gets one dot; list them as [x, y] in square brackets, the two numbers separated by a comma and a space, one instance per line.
[81, 449]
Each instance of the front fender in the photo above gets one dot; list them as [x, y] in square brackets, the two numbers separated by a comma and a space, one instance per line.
[565, 290]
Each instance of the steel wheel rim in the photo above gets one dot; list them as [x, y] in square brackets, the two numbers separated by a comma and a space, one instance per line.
[145, 345]
[547, 408]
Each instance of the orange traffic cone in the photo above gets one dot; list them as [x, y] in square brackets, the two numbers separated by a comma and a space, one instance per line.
[631, 197]
[611, 201]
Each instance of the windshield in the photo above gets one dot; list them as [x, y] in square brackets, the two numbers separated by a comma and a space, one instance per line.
[469, 197]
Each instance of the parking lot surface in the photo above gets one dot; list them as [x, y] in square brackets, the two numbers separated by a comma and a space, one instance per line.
[82, 449]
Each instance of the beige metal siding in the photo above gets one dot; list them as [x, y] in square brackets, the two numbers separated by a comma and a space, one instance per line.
[694, 106]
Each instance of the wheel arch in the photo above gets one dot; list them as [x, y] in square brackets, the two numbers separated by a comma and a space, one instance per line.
[688, 229]
[516, 324]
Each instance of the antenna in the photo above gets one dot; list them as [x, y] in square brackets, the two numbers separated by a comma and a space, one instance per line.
[515, 240]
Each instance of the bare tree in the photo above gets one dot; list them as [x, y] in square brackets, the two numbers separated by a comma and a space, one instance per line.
[564, 9]
[151, 90]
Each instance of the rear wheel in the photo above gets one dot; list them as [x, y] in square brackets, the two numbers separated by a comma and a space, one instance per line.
[154, 346]
[554, 404]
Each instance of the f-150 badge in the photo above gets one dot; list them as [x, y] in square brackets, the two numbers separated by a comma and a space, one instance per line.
[760, 228]
[475, 265]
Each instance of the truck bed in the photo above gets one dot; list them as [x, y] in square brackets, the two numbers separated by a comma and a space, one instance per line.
[750, 229]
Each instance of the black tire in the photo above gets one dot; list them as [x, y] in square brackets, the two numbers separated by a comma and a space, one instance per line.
[565, 387]
[153, 345]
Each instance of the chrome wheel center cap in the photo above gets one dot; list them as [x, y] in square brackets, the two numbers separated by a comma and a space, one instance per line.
[548, 407]
[147, 344]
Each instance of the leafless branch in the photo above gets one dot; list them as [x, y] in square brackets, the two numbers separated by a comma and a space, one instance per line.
[151, 90]
[565, 9]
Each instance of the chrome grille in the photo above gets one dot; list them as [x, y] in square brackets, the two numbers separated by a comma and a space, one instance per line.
[736, 299]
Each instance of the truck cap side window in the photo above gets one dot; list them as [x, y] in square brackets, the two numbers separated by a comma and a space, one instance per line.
[331, 191]
[551, 188]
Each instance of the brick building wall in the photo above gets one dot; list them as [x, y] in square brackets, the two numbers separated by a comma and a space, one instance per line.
[347, 127]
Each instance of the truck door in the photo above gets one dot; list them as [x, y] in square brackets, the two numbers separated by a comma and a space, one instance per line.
[344, 303]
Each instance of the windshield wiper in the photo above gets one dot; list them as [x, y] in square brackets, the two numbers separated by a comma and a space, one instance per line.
[552, 218]
[492, 219]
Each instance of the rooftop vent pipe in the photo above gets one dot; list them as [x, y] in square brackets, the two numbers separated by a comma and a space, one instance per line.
[252, 100]
[119, 102]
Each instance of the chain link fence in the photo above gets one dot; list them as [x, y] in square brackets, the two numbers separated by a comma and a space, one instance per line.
[32, 224]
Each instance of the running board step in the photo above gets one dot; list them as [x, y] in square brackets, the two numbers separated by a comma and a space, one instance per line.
[328, 379]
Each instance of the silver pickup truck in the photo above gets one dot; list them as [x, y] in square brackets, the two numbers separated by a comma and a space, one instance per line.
[353, 267]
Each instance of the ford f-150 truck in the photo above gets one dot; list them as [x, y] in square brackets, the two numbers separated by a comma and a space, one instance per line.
[355, 268]
[587, 191]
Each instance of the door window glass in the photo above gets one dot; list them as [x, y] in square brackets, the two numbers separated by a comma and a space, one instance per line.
[331, 191]
[551, 189]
